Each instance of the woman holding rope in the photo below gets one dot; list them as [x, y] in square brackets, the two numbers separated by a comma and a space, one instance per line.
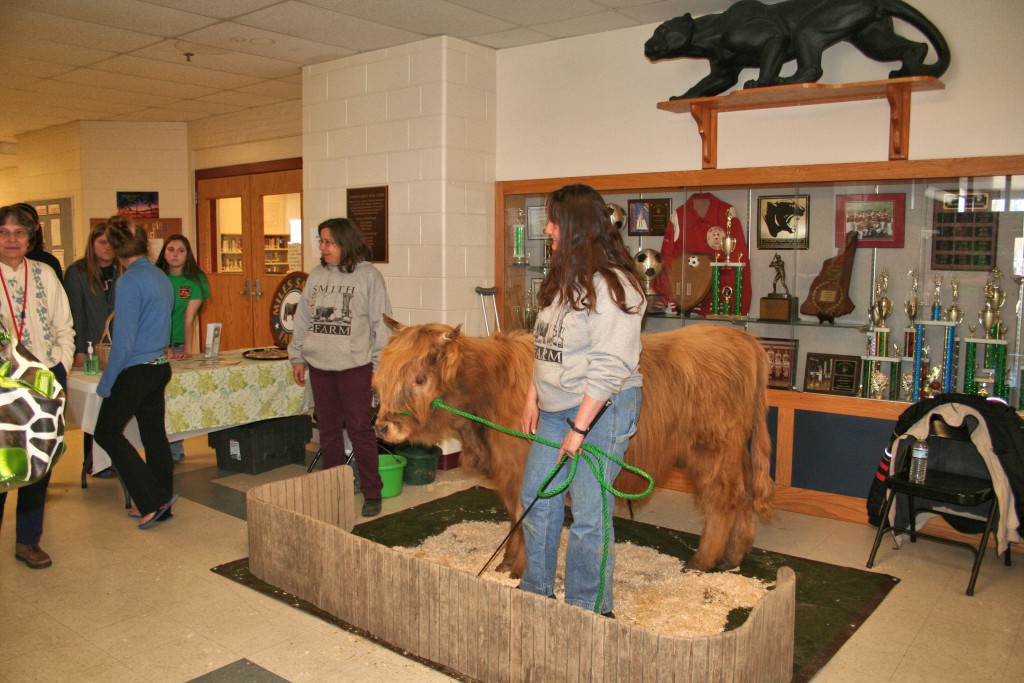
[586, 354]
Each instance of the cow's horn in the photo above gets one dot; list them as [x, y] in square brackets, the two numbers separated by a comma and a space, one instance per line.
[393, 324]
[454, 334]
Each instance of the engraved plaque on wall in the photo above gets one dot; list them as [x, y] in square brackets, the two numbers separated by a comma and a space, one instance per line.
[368, 207]
[966, 232]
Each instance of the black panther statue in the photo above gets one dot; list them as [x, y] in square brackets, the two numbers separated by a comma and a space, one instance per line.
[751, 34]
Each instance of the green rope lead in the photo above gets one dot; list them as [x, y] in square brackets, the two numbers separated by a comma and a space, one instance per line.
[590, 454]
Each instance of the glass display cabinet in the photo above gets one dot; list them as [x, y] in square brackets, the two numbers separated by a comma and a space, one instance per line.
[871, 285]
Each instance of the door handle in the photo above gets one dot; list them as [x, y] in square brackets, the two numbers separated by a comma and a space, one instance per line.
[245, 291]
[257, 289]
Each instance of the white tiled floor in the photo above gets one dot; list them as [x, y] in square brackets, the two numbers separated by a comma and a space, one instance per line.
[124, 605]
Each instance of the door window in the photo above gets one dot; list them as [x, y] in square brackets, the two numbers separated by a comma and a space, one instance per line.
[227, 228]
[282, 233]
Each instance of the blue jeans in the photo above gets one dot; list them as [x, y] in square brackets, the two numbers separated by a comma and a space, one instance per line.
[543, 526]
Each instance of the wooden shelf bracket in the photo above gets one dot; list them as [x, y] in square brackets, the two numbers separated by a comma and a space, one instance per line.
[704, 110]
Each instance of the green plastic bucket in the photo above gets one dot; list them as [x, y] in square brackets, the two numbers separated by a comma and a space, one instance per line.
[390, 467]
[421, 464]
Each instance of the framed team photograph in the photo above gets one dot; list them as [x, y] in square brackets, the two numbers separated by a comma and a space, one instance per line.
[649, 216]
[781, 362]
[829, 373]
[782, 222]
[877, 219]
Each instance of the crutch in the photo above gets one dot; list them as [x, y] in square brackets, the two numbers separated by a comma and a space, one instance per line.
[492, 292]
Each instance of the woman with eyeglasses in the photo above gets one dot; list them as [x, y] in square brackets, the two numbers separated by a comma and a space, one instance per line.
[35, 313]
[339, 334]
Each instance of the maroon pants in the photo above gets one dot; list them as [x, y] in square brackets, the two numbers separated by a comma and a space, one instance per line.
[344, 401]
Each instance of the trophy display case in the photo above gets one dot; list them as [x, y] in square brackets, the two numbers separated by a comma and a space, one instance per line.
[880, 282]
[858, 253]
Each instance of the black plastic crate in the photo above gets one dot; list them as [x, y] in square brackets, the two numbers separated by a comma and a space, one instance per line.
[261, 446]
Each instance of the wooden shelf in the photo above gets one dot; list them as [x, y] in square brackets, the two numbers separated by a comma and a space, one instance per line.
[897, 90]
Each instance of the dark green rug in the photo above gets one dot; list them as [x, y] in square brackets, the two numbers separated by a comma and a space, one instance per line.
[831, 601]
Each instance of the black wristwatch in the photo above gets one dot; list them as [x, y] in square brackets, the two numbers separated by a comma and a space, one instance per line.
[573, 427]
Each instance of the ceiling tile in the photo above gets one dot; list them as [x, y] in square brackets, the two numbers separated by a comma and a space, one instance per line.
[256, 41]
[531, 12]
[280, 89]
[219, 59]
[32, 67]
[26, 22]
[106, 79]
[130, 15]
[424, 17]
[160, 115]
[582, 26]
[90, 92]
[240, 99]
[222, 9]
[177, 73]
[203, 107]
[330, 28]
[512, 38]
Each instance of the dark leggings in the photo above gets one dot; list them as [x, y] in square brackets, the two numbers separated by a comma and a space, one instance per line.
[139, 393]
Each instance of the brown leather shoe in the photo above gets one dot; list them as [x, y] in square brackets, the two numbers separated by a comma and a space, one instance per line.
[32, 555]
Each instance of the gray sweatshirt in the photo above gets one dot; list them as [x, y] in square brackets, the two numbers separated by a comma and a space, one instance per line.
[579, 352]
[339, 324]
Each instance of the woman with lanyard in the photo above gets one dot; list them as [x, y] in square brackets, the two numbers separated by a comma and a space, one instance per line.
[137, 373]
[35, 313]
[586, 355]
[89, 284]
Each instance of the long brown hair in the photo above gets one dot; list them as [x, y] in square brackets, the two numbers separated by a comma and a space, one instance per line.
[93, 271]
[190, 268]
[589, 245]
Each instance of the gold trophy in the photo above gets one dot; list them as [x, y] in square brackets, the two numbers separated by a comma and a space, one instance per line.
[912, 304]
[954, 313]
[882, 307]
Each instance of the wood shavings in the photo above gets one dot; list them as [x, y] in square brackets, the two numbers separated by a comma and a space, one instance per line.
[650, 590]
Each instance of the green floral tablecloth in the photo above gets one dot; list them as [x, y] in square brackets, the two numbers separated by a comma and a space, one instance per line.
[203, 397]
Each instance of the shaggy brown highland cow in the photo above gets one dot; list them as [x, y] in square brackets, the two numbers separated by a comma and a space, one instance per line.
[704, 408]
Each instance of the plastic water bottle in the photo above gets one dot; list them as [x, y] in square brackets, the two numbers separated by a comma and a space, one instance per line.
[918, 461]
[92, 363]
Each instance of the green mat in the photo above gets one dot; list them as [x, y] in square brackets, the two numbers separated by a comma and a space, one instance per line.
[831, 601]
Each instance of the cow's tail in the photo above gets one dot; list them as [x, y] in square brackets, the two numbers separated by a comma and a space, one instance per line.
[758, 466]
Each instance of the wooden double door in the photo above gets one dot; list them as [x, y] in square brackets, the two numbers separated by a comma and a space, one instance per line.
[249, 239]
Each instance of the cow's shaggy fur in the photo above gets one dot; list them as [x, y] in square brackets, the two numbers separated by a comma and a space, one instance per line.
[704, 408]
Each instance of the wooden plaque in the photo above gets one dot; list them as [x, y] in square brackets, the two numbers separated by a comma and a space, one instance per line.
[689, 280]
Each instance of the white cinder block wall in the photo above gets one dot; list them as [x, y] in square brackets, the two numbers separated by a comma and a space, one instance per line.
[419, 119]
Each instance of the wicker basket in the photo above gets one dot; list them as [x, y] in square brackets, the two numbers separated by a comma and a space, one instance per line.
[103, 345]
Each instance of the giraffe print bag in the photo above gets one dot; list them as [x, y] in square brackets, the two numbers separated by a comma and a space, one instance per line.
[31, 417]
